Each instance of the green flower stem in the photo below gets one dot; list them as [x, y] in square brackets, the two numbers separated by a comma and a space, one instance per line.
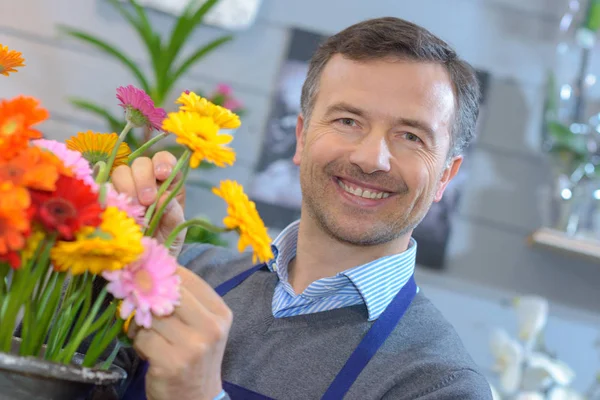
[104, 175]
[47, 311]
[22, 286]
[66, 356]
[99, 171]
[193, 222]
[111, 358]
[161, 210]
[163, 188]
[4, 269]
[142, 149]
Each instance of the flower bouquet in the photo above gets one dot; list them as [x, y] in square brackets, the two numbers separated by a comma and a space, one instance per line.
[78, 260]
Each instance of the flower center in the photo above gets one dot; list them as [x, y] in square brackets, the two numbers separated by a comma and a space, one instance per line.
[11, 173]
[60, 210]
[136, 117]
[9, 127]
[143, 280]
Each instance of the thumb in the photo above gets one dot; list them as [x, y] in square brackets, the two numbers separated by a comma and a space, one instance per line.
[171, 219]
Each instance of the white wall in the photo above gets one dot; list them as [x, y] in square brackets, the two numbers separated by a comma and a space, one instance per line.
[510, 38]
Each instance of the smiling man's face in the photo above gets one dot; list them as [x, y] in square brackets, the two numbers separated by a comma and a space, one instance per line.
[373, 156]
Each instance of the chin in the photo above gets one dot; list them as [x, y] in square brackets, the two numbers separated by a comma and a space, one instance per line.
[359, 232]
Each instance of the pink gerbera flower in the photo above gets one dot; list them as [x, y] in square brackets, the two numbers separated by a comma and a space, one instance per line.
[72, 159]
[148, 286]
[139, 108]
[125, 203]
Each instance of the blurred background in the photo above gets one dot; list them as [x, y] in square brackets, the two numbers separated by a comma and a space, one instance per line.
[522, 219]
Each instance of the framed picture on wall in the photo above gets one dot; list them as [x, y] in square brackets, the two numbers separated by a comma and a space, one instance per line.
[275, 187]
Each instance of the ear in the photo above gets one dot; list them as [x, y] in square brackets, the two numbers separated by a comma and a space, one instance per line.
[299, 140]
[448, 174]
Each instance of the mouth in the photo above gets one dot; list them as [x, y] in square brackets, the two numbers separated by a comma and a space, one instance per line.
[359, 191]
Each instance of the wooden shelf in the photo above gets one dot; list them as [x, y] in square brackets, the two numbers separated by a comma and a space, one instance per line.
[560, 241]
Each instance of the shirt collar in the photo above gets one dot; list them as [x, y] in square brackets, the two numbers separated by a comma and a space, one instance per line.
[377, 281]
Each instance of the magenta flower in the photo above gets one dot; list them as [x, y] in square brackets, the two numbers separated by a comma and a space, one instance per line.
[139, 108]
[224, 89]
[232, 104]
[71, 159]
[148, 286]
[125, 203]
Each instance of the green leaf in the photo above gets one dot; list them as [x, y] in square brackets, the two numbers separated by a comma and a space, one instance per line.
[142, 25]
[110, 50]
[113, 122]
[185, 25]
[195, 57]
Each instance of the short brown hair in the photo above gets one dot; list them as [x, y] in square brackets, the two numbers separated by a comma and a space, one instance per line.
[393, 37]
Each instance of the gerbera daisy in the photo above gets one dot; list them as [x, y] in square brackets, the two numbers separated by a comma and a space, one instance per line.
[14, 217]
[9, 60]
[148, 286]
[17, 116]
[125, 203]
[201, 136]
[71, 159]
[114, 244]
[223, 117]
[32, 168]
[244, 218]
[70, 207]
[139, 108]
[98, 147]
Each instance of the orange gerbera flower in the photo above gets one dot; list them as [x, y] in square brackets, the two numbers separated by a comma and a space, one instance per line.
[9, 60]
[33, 167]
[14, 217]
[17, 116]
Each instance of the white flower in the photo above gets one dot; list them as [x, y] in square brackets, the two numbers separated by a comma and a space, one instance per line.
[562, 393]
[495, 394]
[509, 360]
[529, 396]
[532, 315]
[557, 370]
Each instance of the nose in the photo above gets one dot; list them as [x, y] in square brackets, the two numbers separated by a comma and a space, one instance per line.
[372, 154]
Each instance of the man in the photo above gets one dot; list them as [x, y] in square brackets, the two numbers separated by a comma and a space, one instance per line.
[387, 109]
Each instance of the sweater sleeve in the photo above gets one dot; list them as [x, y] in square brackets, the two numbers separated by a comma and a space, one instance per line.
[465, 384]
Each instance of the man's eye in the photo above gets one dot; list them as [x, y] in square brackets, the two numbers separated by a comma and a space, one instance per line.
[347, 121]
[412, 137]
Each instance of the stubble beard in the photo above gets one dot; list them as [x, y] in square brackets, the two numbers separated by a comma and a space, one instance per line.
[316, 206]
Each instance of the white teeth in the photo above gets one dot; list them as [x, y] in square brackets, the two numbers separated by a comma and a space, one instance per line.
[367, 194]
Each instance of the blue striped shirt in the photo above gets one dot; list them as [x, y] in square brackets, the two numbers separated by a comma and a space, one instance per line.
[374, 284]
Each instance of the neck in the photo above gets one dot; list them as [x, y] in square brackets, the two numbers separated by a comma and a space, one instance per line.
[318, 255]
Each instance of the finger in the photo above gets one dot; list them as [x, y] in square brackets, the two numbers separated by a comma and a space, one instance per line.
[191, 311]
[173, 329]
[150, 345]
[145, 181]
[122, 180]
[173, 215]
[203, 292]
[163, 162]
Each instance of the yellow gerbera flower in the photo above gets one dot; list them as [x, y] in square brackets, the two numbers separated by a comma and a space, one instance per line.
[114, 244]
[243, 217]
[9, 60]
[201, 135]
[222, 116]
[32, 243]
[98, 146]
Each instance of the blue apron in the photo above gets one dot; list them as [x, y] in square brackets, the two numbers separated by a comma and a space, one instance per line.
[358, 360]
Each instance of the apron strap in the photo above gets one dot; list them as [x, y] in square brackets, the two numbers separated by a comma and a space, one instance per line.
[238, 392]
[375, 337]
[226, 286]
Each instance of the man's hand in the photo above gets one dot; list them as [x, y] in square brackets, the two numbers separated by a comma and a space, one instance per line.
[142, 180]
[185, 350]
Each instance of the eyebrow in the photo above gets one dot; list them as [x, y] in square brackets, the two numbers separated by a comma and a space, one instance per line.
[414, 123]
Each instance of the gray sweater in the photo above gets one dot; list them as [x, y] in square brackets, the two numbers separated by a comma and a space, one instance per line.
[298, 357]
